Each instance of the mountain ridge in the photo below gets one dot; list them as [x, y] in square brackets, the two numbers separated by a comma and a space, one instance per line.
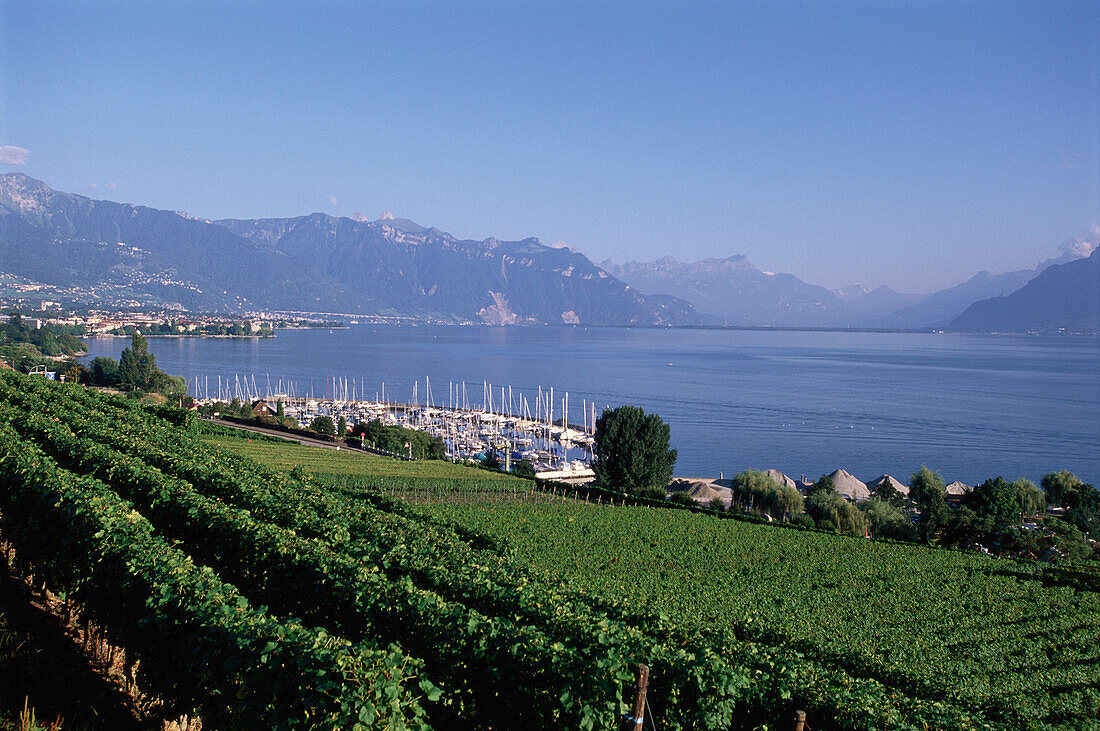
[738, 293]
[735, 292]
[315, 262]
[1063, 297]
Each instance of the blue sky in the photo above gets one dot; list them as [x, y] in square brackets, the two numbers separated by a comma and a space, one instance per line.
[902, 143]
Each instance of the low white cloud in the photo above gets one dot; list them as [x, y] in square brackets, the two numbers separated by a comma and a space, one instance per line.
[1081, 248]
[332, 199]
[93, 186]
[12, 155]
[105, 186]
[110, 186]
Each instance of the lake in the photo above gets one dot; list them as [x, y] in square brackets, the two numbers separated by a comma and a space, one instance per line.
[806, 403]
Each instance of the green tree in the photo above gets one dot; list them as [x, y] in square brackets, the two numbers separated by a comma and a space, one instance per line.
[994, 500]
[104, 371]
[886, 519]
[759, 492]
[71, 345]
[1061, 488]
[632, 450]
[342, 427]
[886, 491]
[137, 367]
[824, 484]
[927, 490]
[1085, 510]
[682, 498]
[280, 412]
[323, 425]
[831, 511]
[1031, 500]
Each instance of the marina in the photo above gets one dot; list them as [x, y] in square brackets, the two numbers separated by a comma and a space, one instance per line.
[801, 402]
[502, 425]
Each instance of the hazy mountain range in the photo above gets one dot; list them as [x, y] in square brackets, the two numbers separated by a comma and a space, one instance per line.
[314, 263]
[1063, 297]
[392, 266]
[733, 291]
[737, 293]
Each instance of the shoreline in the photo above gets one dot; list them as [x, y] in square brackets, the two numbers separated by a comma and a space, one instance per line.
[178, 336]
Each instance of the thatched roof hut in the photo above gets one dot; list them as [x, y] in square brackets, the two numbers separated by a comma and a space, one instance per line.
[958, 488]
[888, 480]
[779, 478]
[701, 489]
[849, 486]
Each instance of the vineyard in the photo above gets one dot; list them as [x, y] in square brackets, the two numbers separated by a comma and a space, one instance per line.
[255, 597]
[979, 632]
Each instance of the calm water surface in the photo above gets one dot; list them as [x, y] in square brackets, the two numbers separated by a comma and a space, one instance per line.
[970, 406]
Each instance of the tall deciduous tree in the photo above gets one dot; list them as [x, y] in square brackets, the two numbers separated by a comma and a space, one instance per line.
[632, 450]
[1061, 487]
[995, 499]
[761, 492]
[1030, 498]
[927, 490]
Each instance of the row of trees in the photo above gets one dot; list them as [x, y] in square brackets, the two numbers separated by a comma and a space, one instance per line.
[374, 434]
[215, 328]
[394, 438]
[24, 347]
[632, 455]
[991, 514]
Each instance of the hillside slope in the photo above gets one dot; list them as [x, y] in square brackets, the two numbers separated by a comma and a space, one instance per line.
[315, 263]
[1063, 297]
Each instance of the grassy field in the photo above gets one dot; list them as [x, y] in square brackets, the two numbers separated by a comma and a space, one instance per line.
[287, 455]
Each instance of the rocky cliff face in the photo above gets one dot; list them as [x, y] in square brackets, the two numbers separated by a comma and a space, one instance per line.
[427, 271]
[311, 263]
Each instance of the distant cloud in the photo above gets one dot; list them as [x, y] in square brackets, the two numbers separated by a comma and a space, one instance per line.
[1069, 160]
[1079, 248]
[105, 186]
[110, 186]
[332, 199]
[12, 155]
[1083, 247]
[93, 186]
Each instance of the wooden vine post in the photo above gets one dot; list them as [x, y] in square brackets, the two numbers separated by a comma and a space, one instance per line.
[637, 715]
